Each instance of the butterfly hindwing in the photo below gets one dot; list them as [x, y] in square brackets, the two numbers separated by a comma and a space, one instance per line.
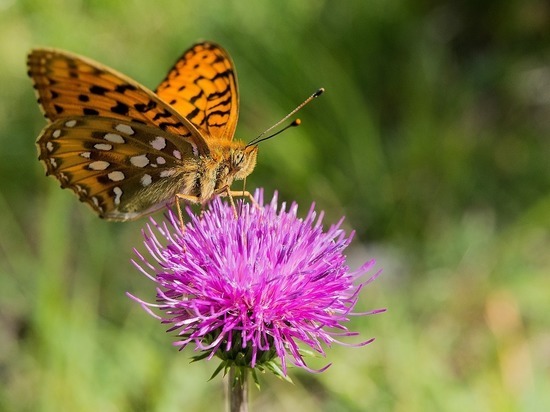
[202, 86]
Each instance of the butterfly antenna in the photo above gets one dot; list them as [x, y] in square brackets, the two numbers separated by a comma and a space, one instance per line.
[296, 122]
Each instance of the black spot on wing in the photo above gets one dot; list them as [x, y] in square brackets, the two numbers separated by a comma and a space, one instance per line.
[142, 108]
[216, 95]
[103, 179]
[98, 90]
[122, 88]
[193, 99]
[120, 108]
[166, 125]
[90, 112]
[163, 114]
[193, 113]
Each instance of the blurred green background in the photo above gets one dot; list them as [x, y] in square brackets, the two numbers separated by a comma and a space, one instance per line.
[433, 139]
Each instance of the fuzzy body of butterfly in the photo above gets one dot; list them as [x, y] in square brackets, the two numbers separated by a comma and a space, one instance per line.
[128, 151]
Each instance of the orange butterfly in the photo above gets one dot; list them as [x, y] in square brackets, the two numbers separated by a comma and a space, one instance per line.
[127, 151]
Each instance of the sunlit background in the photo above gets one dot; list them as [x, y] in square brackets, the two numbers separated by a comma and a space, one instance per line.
[433, 139]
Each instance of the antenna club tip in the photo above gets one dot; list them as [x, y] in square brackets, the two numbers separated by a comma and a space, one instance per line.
[319, 92]
[296, 122]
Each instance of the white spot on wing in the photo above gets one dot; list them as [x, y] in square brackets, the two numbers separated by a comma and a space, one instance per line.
[118, 193]
[86, 155]
[195, 150]
[177, 154]
[116, 176]
[103, 146]
[158, 143]
[70, 123]
[161, 160]
[99, 165]
[49, 146]
[124, 128]
[53, 162]
[167, 173]
[146, 180]
[95, 200]
[113, 137]
[56, 133]
[139, 161]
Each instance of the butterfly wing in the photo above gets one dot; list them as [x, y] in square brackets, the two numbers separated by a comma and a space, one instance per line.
[71, 85]
[122, 169]
[202, 86]
[117, 145]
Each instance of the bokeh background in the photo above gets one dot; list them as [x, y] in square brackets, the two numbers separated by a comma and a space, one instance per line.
[433, 139]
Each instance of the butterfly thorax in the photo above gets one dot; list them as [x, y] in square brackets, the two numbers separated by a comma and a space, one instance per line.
[226, 162]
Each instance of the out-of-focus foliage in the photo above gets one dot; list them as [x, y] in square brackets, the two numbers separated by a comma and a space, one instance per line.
[433, 139]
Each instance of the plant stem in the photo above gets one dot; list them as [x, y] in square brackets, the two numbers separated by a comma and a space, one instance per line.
[236, 390]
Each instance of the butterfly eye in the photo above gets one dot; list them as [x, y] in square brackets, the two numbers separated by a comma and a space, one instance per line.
[238, 158]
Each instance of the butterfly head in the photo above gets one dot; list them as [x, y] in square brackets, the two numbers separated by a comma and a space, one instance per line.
[243, 161]
[227, 162]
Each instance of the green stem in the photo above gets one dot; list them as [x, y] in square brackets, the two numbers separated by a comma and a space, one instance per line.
[236, 390]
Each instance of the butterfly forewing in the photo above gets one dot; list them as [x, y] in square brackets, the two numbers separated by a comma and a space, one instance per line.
[121, 169]
[70, 85]
[202, 86]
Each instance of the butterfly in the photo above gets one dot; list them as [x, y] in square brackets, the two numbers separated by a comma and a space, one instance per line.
[127, 151]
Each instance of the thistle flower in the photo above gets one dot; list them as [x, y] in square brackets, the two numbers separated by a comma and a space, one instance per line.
[253, 290]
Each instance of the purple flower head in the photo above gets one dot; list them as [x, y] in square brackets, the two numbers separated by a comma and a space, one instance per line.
[254, 289]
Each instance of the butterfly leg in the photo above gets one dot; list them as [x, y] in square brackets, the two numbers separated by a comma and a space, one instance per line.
[185, 198]
[226, 191]
[244, 193]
